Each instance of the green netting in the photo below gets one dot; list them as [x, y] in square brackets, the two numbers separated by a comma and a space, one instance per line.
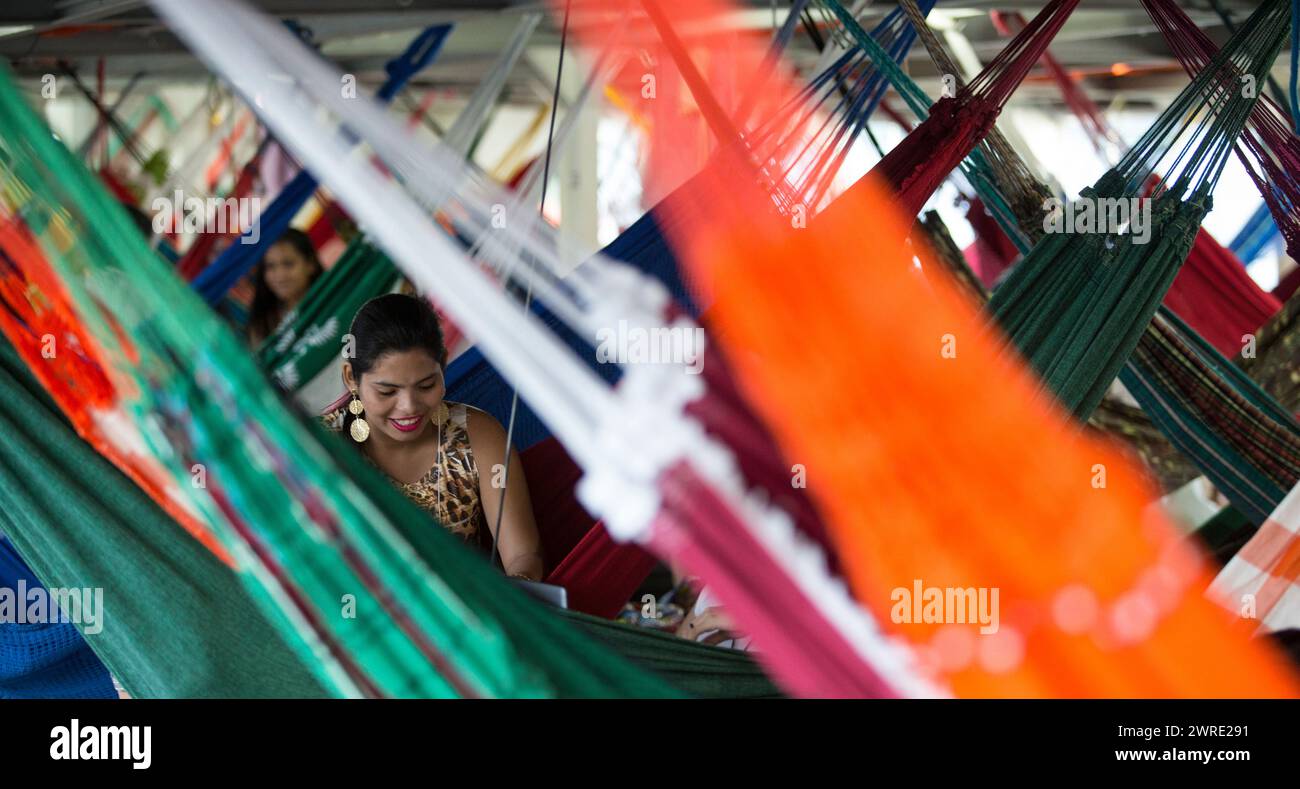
[375, 597]
[1078, 304]
[698, 669]
[176, 621]
[309, 338]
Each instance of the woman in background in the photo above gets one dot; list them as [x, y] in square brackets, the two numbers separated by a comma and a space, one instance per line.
[448, 458]
[284, 276]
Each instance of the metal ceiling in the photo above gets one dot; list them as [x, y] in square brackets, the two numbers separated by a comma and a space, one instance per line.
[360, 35]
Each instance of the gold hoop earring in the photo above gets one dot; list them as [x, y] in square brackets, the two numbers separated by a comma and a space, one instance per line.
[360, 429]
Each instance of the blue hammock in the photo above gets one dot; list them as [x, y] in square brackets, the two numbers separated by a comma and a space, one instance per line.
[1258, 234]
[45, 661]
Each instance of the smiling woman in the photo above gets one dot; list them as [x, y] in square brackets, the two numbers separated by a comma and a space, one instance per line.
[280, 281]
[433, 450]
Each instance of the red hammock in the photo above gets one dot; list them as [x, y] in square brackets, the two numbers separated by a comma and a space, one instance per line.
[992, 253]
[599, 574]
[1216, 297]
[919, 164]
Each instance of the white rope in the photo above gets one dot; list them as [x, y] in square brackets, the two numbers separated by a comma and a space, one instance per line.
[470, 120]
[624, 441]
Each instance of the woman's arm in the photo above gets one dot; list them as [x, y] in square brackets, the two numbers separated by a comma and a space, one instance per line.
[519, 543]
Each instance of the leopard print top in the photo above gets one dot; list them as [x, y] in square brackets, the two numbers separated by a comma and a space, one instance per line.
[450, 489]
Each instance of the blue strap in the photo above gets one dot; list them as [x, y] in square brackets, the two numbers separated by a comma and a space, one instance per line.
[1259, 233]
[232, 264]
[222, 273]
[419, 54]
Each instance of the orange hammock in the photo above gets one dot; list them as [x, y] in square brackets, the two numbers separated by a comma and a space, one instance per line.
[936, 458]
[940, 464]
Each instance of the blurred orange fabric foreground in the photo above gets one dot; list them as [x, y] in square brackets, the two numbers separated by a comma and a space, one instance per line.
[937, 459]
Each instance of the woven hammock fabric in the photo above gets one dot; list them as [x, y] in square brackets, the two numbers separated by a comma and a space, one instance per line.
[1046, 538]
[1212, 291]
[1246, 443]
[39, 321]
[697, 669]
[1076, 305]
[1274, 364]
[1220, 419]
[307, 521]
[177, 622]
[1263, 579]
[1112, 418]
[47, 659]
[922, 161]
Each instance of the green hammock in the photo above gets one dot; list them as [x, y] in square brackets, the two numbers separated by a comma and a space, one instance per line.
[374, 597]
[309, 338]
[177, 622]
[1246, 443]
[1077, 305]
[698, 669]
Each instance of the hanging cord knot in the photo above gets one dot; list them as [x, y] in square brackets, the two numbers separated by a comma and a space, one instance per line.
[304, 33]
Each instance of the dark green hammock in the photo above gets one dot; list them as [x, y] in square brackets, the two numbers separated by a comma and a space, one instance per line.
[177, 622]
[698, 669]
[1077, 305]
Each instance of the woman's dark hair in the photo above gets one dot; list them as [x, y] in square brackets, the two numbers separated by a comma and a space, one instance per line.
[266, 311]
[393, 323]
